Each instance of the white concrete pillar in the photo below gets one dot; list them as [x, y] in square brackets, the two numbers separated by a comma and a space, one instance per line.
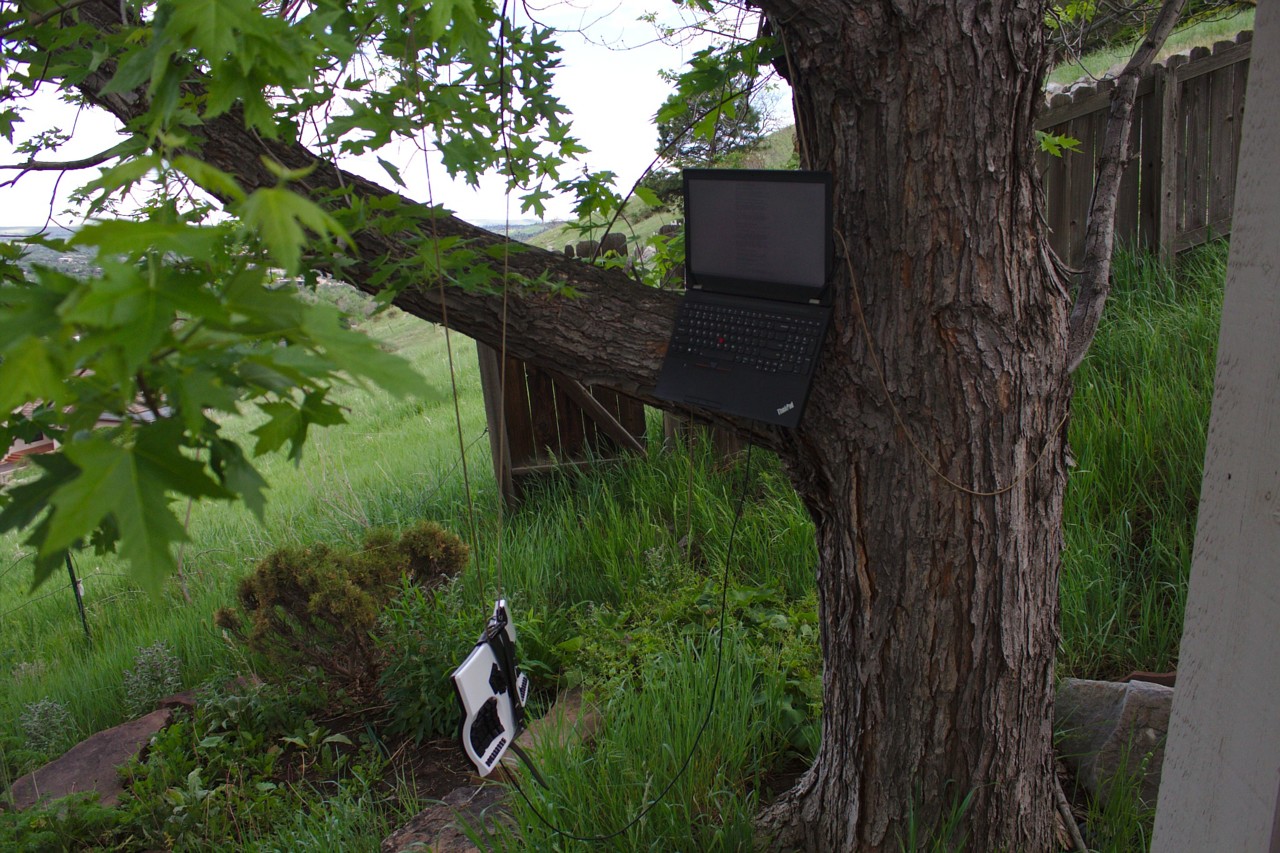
[1220, 788]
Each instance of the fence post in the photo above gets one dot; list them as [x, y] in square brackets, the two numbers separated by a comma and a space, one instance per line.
[1171, 191]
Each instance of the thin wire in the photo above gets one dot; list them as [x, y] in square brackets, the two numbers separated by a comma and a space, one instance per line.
[688, 507]
[503, 108]
[711, 705]
[448, 345]
[902, 424]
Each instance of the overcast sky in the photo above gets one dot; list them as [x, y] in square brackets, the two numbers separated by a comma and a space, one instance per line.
[608, 81]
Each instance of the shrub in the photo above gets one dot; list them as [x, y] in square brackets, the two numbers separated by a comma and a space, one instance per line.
[318, 606]
[46, 724]
[153, 677]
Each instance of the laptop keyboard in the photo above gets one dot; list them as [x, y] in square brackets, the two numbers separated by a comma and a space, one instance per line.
[720, 335]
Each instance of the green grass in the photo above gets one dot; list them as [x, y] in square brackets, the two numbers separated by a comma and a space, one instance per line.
[1198, 34]
[1139, 418]
[614, 577]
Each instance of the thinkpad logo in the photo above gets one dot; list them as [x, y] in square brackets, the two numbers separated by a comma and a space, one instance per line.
[788, 407]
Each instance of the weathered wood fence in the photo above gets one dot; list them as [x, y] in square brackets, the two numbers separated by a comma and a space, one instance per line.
[549, 420]
[1179, 188]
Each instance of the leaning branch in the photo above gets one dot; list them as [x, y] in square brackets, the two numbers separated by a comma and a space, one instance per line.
[582, 337]
[1099, 241]
[63, 166]
[37, 20]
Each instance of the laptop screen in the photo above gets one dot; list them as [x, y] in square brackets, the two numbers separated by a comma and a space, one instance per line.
[745, 228]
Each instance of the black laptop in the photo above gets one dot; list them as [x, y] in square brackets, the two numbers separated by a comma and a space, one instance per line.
[758, 257]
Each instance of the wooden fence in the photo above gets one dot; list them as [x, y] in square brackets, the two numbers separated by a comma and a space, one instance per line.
[550, 421]
[1179, 188]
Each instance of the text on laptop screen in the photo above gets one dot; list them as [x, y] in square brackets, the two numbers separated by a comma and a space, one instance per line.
[766, 227]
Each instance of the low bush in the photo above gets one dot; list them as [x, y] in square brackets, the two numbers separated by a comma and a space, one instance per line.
[155, 675]
[318, 606]
[47, 725]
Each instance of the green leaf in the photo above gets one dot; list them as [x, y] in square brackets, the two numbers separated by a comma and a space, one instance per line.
[112, 484]
[1055, 144]
[280, 217]
[125, 174]
[130, 237]
[210, 25]
[238, 475]
[392, 171]
[209, 177]
[284, 423]
[648, 196]
[26, 502]
[28, 374]
[359, 355]
[159, 450]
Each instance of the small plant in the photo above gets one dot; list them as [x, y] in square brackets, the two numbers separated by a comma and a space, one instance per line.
[155, 675]
[421, 645]
[46, 724]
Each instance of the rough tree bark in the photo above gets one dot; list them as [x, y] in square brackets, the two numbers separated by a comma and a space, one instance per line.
[931, 456]
[938, 599]
[1100, 236]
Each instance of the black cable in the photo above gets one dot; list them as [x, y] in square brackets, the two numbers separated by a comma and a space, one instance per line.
[711, 706]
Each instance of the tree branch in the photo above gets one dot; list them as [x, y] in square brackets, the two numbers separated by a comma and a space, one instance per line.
[1099, 242]
[577, 336]
[36, 20]
[65, 166]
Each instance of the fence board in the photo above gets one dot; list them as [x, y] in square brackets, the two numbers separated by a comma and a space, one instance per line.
[1178, 187]
[1151, 142]
[1129, 200]
[1080, 171]
[1196, 150]
[1171, 141]
[1222, 147]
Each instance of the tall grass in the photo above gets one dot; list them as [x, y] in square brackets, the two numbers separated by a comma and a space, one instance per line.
[1139, 418]
[607, 794]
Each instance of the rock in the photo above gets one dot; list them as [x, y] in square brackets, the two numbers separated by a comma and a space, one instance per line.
[437, 827]
[1108, 730]
[91, 765]
[586, 249]
[567, 719]
[614, 242]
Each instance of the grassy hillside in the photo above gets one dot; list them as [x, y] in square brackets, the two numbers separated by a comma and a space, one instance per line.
[1199, 34]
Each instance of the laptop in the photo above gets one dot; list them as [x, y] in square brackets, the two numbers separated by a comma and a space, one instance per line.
[758, 256]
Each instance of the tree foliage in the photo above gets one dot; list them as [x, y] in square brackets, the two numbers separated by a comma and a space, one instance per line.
[190, 315]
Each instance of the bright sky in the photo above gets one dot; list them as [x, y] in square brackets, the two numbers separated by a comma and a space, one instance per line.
[611, 92]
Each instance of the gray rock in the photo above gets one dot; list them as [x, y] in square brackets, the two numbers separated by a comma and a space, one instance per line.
[439, 828]
[1109, 731]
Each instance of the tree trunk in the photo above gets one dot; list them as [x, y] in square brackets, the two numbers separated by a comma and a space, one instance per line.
[931, 454]
[938, 599]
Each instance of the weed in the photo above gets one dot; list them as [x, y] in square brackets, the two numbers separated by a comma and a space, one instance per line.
[155, 675]
[422, 640]
[47, 725]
